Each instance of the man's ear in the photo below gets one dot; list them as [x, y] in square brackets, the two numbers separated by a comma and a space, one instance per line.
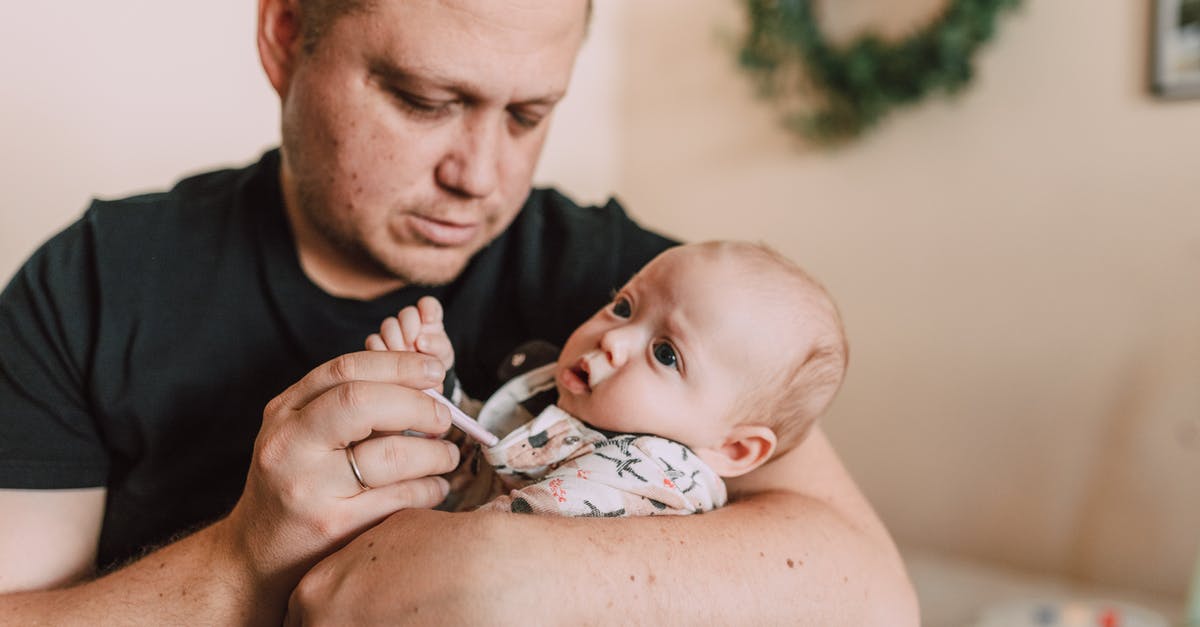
[745, 448]
[279, 41]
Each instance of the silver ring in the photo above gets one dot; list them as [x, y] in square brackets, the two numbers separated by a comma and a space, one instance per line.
[354, 468]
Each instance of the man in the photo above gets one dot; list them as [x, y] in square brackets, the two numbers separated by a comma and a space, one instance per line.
[141, 342]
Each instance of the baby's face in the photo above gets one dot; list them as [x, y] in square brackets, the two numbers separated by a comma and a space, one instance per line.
[674, 351]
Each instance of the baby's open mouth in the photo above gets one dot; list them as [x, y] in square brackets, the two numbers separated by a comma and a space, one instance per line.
[580, 371]
[586, 372]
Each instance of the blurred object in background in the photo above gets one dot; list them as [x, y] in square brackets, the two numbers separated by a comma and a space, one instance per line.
[1193, 606]
[832, 91]
[1177, 48]
[1069, 613]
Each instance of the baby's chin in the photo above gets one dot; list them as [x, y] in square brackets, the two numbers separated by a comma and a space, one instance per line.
[564, 402]
[568, 403]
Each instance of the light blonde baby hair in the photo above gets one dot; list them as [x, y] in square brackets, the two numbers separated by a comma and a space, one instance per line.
[791, 396]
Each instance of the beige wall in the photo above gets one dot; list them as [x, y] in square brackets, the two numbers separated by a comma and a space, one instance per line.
[1019, 268]
[106, 98]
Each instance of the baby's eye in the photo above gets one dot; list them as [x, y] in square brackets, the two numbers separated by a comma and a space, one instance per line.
[621, 308]
[665, 354]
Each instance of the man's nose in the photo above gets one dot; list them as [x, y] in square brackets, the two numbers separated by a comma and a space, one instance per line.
[470, 166]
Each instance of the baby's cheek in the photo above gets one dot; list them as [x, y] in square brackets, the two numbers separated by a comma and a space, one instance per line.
[569, 404]
[612, 411]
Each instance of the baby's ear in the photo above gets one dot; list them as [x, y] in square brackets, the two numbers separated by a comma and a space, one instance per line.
[745, 448]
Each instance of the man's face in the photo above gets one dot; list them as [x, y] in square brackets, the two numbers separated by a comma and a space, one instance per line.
[675, 350]
[411, 131]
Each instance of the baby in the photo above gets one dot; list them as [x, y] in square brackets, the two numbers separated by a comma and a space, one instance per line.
[712, 359]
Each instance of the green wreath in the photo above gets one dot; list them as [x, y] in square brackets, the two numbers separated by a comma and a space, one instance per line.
[858, 84]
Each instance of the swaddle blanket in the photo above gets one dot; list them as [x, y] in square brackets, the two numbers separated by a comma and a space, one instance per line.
[550, 462]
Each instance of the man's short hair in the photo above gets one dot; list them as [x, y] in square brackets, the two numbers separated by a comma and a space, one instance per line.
[316, 16]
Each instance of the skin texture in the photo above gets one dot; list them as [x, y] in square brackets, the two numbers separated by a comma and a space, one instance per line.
[406, 147]
[398, 164]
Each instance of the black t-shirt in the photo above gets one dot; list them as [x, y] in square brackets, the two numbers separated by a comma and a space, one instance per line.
[139, 346]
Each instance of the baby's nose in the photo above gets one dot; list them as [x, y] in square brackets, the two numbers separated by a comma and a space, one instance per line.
[598, 365]
[616, 345]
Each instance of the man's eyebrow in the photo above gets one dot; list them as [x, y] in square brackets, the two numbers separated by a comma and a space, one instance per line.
[548, 100]
[395, 75]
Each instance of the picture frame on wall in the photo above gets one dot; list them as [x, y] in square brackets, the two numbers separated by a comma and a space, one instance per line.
[1176, 48]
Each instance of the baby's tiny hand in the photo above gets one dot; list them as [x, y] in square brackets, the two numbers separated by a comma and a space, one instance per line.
[416, 328]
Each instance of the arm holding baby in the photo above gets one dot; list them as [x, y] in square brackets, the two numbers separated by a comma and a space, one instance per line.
[699, 359]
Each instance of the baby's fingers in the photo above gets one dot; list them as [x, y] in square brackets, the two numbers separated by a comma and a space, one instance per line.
[410, 326]
[438, 345]
[393, 338]
[430, 309]
[375, 343]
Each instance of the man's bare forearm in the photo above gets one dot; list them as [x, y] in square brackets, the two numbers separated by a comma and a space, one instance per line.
[772, 558]
[199, 578]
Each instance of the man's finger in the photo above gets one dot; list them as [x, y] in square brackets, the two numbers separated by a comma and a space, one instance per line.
[354, 410]
[397, 458]
[408, 369]
[424, 492]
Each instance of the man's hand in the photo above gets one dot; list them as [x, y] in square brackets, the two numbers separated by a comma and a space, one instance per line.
[302, 499]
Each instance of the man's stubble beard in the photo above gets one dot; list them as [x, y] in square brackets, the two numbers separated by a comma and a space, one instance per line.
[355, 252]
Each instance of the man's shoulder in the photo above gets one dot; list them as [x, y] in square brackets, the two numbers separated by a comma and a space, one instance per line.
[166, 238]
[195, 195]
[568, 257]
[557, 229]
[549, 208]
